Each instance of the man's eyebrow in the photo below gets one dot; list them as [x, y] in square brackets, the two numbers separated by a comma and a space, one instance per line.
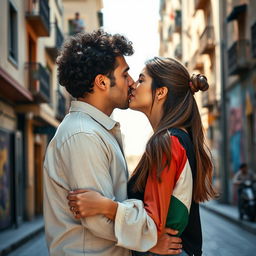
[126, 69]
[141, 75]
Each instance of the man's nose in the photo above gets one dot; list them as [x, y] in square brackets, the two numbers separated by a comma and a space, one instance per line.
[132, 84]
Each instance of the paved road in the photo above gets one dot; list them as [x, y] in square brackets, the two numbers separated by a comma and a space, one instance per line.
[221, 238]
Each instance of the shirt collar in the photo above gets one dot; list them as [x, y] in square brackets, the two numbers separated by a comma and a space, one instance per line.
[96, 114]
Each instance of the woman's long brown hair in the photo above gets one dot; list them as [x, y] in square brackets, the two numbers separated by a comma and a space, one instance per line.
[179, 110]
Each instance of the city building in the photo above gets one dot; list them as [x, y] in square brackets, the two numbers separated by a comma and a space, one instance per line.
[218, 39]
[29, 108]
[240, 87]
[32, 103]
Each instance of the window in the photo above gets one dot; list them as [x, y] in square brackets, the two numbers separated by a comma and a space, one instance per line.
[13, 34]
[49, 71]
[100, 18]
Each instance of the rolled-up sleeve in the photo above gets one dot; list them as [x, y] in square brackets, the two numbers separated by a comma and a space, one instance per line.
[86, 165]
[134, 229]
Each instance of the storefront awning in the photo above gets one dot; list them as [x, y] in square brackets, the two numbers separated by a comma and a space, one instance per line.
[38, 112]
[12, 90]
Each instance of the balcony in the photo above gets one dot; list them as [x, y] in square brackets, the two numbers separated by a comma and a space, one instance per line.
[61, 108]
[253, 39]
[177, 21]
[170, 33]
[39, 82]
[236, 12]
[209, 97]
[178, 51]
[38, 16]
[200, 4]
[58, 40]
[238, 56]
[207, 40]
[195, 62]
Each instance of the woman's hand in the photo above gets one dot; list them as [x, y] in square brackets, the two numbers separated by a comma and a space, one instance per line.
[167, 243]
[85, 203]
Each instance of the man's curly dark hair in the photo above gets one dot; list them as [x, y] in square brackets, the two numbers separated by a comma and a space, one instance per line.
[86, 55]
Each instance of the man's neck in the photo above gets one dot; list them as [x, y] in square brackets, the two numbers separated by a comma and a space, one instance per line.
[99, 104]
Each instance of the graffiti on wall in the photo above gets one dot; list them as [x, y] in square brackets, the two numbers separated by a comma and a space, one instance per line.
[235, 130]
[5, 199]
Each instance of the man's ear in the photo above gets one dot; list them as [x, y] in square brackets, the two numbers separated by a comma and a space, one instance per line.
[101, 82]
[161, 92]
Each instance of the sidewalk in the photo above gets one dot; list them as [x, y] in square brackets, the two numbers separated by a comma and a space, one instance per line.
[230, 212]
[13, 238]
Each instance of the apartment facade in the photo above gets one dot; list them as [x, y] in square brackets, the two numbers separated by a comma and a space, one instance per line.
[218, 39]
[89, 11]
[197, 35]
[240, 87]
[30, 103]
[170, 29]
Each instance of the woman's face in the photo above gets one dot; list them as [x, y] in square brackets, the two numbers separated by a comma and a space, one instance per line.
[141, 97]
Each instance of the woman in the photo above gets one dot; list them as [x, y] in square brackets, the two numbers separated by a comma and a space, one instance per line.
[175, 172]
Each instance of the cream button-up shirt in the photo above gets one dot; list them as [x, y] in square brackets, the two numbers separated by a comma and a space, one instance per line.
[86, 152]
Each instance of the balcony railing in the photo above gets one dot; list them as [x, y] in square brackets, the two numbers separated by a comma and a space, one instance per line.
[39, 82]
[207, 40]
[58, 37]
[38, 16]
[195, 62]
[178, 21]
[253, 39]
[58, 40]
[170, 33]
[238, 56]
[209, 97]
[200, 4]
[178, 51]
[61, 108]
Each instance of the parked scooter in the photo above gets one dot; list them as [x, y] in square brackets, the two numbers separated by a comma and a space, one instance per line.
[247, 200]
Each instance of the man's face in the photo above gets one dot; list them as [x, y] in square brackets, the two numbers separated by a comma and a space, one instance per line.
[119, 93]
[244, 170]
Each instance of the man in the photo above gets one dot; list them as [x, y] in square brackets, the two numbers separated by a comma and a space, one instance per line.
[78, 23]
[242, 175]
[239, 179]
[86, 152]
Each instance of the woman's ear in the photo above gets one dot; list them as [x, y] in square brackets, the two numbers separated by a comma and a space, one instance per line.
[161, 92]
[101, 82]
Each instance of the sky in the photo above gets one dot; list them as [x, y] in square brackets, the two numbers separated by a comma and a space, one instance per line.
[138, 21]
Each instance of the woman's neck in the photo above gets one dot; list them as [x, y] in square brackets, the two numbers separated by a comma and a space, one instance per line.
[154, 119]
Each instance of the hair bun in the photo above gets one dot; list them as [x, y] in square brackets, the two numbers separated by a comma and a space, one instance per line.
[198, 82]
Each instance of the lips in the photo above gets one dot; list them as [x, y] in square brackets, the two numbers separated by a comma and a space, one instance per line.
[130, 94]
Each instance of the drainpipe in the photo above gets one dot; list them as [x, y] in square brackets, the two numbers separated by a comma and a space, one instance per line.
[223, 120]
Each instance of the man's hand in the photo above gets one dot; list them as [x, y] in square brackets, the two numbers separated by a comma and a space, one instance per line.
[167, 243]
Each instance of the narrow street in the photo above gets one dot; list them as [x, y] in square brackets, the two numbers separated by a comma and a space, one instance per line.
[221, 238]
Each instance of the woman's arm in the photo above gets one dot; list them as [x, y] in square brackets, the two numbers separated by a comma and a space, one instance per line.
[168, 201]
[89, 203]
[85, 203]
